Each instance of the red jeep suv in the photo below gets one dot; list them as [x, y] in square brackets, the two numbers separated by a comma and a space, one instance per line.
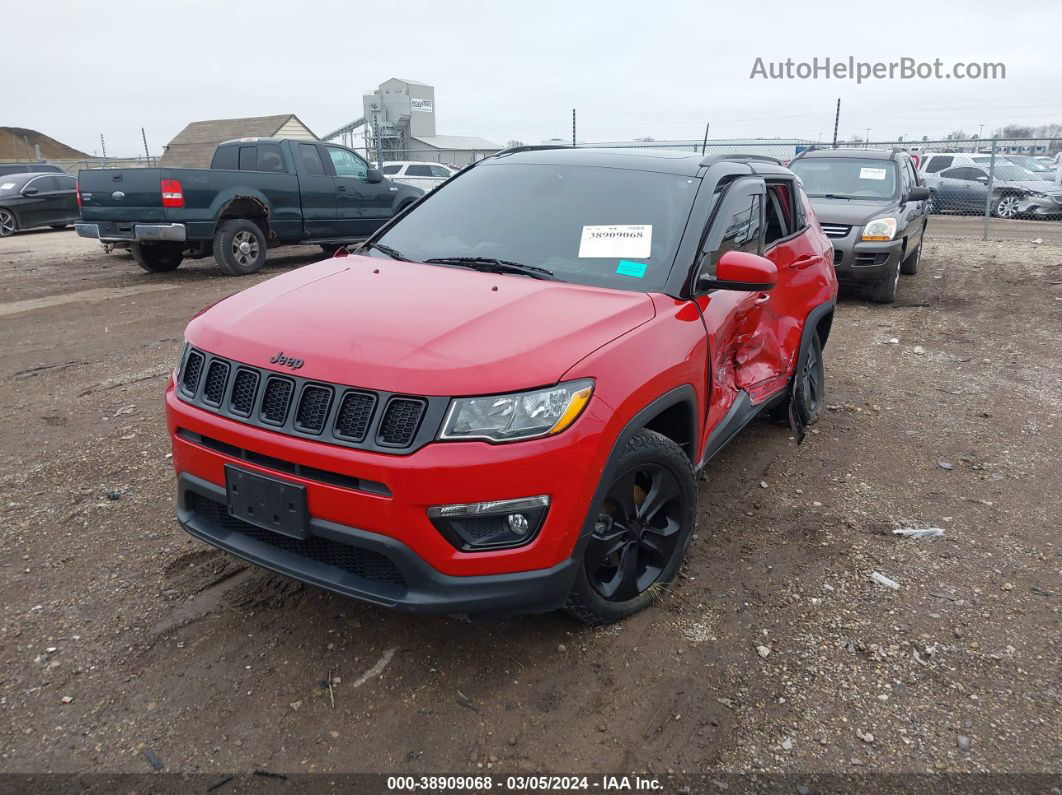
[500, 402]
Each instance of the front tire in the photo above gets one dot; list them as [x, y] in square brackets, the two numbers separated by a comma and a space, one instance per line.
[158, 257]
[8, 224]
[909, 267]
[808, 391]
[240, 247]
[641, 532]
[884, 291]
[1007, 206]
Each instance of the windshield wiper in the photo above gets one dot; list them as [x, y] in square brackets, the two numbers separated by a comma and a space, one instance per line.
[391, 252]
[491, 265]
[829, 196]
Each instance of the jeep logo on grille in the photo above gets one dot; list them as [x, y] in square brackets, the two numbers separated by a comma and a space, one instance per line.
[286, 361]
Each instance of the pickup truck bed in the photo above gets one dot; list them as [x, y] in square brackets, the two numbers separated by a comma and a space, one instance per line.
[280, 191]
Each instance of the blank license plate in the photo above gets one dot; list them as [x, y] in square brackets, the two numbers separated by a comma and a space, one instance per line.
[266, 502]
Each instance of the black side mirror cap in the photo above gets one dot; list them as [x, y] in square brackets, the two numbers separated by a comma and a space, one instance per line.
[706, 283]
[30, 192]
[918, 194]
[374, 175]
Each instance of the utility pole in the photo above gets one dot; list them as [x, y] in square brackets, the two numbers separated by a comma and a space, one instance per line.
[836, 121]
[573, 126]
[103, 145]
[866, 141]
[143, 137]
[991, 181]
[705, 144]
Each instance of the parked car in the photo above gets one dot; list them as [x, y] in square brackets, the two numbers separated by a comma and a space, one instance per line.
[257, 194]
[29, 168]
[1033, 165]
[501, 402]
[420, 175]
[938, 161]
[1015, 192]
[33, 200]
[872, 207]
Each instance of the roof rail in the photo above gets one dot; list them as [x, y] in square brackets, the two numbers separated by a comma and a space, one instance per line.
[713, 159]
[512, 150]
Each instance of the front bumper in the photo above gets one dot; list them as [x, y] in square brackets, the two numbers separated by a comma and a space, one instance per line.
[855, 260]
[367, 566]
[111, 232]
[392, 522]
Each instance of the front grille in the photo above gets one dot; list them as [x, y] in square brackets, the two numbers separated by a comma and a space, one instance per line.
[216, 378]
[313, 408]
[400, 422]
[364, 563]
[276, 399]
[244, 389]
[836, 230]
[193, 368]
[346, 416]
[355, 414]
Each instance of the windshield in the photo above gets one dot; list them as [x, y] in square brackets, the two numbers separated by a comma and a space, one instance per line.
[1013, 173]
[846, 177]
[606, 227]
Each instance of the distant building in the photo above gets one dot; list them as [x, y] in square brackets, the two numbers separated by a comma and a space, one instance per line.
[194, 145]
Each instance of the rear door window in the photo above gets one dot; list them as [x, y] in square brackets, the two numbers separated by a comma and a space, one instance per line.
[389, 170]
[270, 159]
[418, 171]
[311, 160]
[66, 183]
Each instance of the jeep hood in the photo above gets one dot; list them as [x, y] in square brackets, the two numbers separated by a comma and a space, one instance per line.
[420, 329]
[851, 212]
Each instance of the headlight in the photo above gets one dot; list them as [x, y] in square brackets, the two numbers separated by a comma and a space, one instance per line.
[523, 415]
[1037, 194]
[880, 229]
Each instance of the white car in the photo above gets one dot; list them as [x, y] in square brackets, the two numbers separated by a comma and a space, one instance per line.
[418, 174]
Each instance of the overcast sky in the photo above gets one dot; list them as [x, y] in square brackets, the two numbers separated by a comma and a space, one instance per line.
[504, 70]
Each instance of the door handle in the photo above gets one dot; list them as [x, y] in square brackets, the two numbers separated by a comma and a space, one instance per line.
[341, 187]
[762, 298]
[806, 262]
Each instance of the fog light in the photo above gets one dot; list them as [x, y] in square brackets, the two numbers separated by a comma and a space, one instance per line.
[490, 525]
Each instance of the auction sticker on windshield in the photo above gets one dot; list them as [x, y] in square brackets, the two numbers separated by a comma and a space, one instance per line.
[616, 242]
[872, 173]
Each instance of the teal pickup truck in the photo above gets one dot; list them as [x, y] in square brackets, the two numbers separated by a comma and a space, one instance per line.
[257, 194]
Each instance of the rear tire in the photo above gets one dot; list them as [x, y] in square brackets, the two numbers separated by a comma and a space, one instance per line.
[909, 267]
[641, 532]
[240, 247]
[158, 257]
[884, 291]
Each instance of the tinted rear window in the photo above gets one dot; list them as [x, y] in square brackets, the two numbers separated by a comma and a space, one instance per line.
[391, 169]
[225, 158]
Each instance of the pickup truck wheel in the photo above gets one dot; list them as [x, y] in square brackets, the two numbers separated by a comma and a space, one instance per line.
[7, 223]
[641, 532]
[884, 291]
[158, 257]
[240, 247]
[909, 267]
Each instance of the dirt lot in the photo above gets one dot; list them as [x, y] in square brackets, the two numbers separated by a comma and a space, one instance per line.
[122, 639]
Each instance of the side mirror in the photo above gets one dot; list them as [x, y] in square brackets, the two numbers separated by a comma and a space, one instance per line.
[30, 192]
[374, 175]
[983, 180]
[918, 194]
[739, 270]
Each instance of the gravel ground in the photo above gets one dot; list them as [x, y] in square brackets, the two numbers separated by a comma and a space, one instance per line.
[123, 642]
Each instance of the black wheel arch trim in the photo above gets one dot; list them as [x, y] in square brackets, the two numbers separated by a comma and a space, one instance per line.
[681, 394]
